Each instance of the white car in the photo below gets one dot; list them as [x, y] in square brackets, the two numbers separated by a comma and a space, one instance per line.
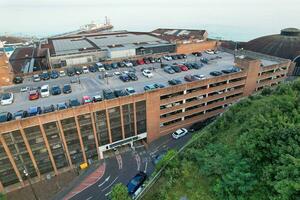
[7, 99]
[24, 89]
[62, 73]
[179, 133]
[128, 64]
[45, 91]
[117, 73]
[85, 69]
[210, 52]
[168, 58]
[130, 90]
[36, 78]
[147, 73]
[200, 76]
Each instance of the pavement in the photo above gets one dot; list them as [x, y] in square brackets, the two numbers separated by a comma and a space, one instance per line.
[120, 167]
[91, 85]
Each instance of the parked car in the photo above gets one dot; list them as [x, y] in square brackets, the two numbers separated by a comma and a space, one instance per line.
[97, 98]
[18, 80]
[120, 93]
[45, 91]
[20, 114]
[167, 57]
[198, 54]
[67, 89]
[204, 60]
[5, 116]
[200, 76]
[141, 62]
[124, 78]
[34, 94]
[147, 61]
[215, 73]
[48, 109]
[61, 106]
[196, 65]
[55, 90]
[86, 100]
[130, 90]
[159, 85]
[108, 94]
[190, 78]
[71, 71]
[85, 69]
[62, 73]
[36, 78]
[149, 87]
[54, 74]
[231, 70]
[147, 73]
[45, 76]
[78, 70]
[179, 133]
[92, 69]
[74, 102]
[34, 110]
[127, 63]
[169, 70]
[136, 182]
[114, 65]
[174, 82]
[176, 68]
[183, 68]
[157, 158]
[24, 89]
[132, 76]
[7, 99]
[210, 52]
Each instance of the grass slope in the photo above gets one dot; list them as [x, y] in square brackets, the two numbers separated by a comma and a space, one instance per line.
[251, 152]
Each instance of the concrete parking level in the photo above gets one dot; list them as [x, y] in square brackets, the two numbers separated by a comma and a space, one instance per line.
[90, 83]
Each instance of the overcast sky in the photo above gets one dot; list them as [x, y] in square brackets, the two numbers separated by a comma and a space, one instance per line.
[228, 17]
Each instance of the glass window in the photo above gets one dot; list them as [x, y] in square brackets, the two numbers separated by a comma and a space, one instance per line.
[141, 117]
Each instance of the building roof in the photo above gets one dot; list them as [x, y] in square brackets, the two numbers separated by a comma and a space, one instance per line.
[180, 35]
[94, 42]
[284, 45]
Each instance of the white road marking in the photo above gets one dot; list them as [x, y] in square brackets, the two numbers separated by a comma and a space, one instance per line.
[111, 184]
[104, 182]
[107, 193]
[89, 198]
[146, 166]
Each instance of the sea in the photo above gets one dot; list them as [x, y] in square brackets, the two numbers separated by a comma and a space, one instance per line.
[223, 19]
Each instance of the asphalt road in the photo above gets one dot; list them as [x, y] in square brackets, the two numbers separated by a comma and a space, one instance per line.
[90, 84]
[123, 166]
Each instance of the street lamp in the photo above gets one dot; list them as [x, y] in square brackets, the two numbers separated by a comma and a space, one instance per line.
[30, 184]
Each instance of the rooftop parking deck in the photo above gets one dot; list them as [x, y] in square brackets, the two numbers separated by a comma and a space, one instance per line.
[90, 83]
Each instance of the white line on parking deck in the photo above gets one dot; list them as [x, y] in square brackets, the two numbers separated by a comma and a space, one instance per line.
[89, 198]
[110, 184]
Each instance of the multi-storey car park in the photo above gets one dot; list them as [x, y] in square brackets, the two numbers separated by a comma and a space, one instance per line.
[55, 142]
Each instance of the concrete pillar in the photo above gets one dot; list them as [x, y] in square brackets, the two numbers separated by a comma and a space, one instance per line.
[48, 147]
[29, 150]
[108, 126]
[12, 161]
[122, 122]
[95, 132]
[62, 135]
[80, 138]
[135, 121]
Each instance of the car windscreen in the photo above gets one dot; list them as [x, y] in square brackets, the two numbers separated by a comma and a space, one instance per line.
[6, 96]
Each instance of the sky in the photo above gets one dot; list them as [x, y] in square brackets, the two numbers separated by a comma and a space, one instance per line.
[228, 19]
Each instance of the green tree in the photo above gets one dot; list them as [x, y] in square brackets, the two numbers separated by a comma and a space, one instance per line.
[119, 192]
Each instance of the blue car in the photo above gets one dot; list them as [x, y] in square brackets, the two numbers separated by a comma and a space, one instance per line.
[150, 87]
[124, 77]
[55, 90]
[54, 74]
[136, 182]
[34, 110]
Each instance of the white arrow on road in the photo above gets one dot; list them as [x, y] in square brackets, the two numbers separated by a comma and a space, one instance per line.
[104, 181]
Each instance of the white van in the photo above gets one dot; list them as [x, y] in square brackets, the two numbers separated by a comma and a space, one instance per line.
[45, 91]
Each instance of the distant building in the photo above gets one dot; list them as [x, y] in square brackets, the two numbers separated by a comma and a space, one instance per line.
[284, 45]
[91, 48]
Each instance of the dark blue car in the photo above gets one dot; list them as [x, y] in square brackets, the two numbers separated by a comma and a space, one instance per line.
[136, 182]
[55, 90]
[124, 78]
[35, 110]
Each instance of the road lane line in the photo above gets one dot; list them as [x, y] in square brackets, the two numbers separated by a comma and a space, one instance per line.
[107, 194]
[146, 167]
[89, 198]
[104, 181]
[110, 184]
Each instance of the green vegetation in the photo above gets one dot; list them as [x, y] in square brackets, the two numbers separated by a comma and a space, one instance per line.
[2, 196]
[251, 152]
[119, 192]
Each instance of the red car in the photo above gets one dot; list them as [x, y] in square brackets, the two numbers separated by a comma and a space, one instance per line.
[141, 62]
[86, 100]
[183, 68]
[33, 95]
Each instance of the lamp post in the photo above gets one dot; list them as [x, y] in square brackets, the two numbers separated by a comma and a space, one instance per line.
[30, 184]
